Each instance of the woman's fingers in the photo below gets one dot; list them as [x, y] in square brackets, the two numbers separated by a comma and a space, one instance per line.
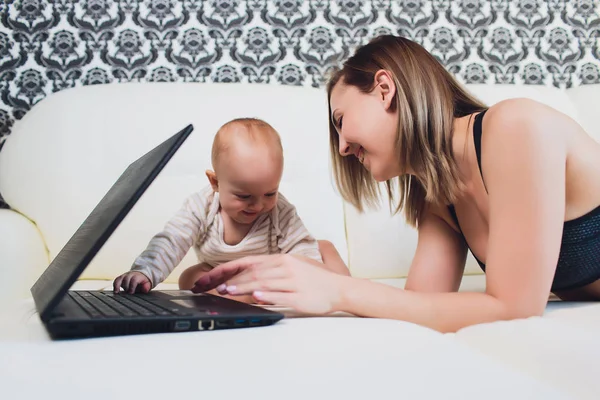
[210, 280]
[266, 285]
[270, 269]
[224, 272]
[277, 298]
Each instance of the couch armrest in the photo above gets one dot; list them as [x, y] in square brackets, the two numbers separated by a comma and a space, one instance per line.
[23, 255]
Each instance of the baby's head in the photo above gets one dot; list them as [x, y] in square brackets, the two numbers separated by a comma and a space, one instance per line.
[247, 158]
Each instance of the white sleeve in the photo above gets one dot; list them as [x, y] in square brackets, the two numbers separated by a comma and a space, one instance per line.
[295, 238]
[168, 247]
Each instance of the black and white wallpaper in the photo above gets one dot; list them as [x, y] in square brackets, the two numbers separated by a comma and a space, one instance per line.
[49, 45]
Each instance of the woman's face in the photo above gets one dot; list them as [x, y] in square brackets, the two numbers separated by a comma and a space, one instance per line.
[367, 126]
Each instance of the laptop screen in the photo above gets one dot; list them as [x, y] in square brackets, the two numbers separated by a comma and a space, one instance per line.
[79, 251]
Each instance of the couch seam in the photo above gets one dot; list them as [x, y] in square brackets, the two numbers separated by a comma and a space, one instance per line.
[37, 228]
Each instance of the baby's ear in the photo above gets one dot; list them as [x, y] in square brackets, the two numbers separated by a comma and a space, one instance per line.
[212, 179]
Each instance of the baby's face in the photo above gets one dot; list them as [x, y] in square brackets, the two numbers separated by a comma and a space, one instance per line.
[249, 183]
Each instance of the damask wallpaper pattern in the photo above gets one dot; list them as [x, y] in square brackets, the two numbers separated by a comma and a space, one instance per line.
[50, 45]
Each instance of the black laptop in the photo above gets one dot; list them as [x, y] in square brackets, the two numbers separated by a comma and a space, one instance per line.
[79, 314]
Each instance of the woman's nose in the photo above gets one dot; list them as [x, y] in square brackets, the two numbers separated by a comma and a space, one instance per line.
[344, 148]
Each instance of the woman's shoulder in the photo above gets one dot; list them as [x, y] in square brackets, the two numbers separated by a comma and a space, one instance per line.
[521, 137]
[522, 116]
[526, 125]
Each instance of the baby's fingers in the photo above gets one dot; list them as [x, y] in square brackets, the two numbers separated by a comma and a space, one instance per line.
[126, 282]
[139, 283]
[133, 284]
[117, 284]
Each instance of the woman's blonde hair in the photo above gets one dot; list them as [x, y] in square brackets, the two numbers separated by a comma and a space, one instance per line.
[427, 98]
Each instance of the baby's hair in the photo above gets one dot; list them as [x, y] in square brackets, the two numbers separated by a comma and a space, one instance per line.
[254, 130]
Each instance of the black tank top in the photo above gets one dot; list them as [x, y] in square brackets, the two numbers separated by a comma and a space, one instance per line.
[579, 258]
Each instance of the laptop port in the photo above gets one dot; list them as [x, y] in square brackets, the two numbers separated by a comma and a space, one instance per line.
[206, 325]
[241, 322]
[224, 324]
[182, 325]
[255, 322]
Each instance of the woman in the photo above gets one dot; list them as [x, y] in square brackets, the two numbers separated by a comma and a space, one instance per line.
[517, 183]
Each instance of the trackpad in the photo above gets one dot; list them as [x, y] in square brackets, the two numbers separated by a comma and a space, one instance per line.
[199, 302]
[216, 304]
[186, 303]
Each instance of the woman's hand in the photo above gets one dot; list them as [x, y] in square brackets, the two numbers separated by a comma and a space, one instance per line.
[293, 281]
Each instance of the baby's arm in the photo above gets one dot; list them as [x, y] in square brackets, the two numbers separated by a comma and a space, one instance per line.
[332, 259]
[167, 248]
[295, 238]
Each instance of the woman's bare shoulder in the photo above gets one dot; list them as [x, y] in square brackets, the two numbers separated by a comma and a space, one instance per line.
[523, 135]
[524, 116]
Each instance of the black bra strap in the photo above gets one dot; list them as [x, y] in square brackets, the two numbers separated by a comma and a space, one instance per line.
[477, 139]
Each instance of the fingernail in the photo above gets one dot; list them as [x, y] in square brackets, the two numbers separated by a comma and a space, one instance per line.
[222, 288]
[231, 289]
[203, 281]
[258, 294]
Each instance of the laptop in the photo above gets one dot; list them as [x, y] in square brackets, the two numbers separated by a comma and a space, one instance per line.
[82, 314]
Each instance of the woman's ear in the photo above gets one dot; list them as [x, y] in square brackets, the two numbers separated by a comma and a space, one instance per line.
[212, 179]
[385, 87]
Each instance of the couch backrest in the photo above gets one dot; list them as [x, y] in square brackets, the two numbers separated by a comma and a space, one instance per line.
[586, 100]
[67, 151]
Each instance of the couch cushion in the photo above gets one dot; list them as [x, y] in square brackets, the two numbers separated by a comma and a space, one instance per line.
[382, 245]
[339, 358]
[469, 283]
[23, 255]
[561, 347]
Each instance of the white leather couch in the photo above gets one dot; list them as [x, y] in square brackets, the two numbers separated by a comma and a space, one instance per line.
[67, 151]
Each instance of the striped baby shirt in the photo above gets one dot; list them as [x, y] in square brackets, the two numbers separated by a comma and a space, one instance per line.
[198, 224]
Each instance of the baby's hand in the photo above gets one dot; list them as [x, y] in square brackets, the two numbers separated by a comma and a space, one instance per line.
[132, 282]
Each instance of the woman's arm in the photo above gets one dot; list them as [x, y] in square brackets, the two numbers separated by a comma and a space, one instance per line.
[444, 312]
[439, 261]
[524, 161]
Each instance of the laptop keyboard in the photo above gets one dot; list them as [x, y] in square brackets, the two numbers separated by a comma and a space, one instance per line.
[108, 304]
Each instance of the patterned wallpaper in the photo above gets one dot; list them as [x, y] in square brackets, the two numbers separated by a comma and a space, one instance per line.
[46, 46]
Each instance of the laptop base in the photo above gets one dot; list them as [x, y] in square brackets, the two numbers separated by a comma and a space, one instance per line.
[88, 314]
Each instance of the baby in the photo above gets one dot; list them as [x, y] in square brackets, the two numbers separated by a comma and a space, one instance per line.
[240, 213]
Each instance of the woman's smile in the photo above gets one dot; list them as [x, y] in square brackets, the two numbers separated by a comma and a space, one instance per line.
[360, 154]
